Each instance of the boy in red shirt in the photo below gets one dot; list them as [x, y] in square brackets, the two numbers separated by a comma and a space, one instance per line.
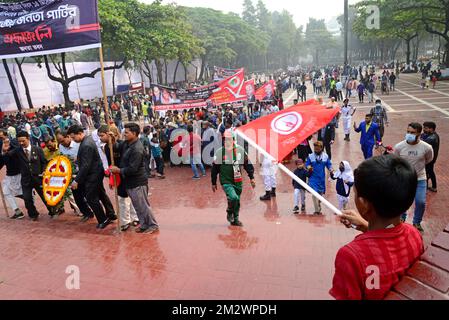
[374, 262]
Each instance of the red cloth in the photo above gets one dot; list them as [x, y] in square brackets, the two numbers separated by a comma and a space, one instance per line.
[393, 251]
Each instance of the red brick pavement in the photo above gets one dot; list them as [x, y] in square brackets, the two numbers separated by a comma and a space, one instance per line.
[196, 255]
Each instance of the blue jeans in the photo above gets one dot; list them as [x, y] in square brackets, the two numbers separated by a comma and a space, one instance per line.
[197, 161]
[420, 202]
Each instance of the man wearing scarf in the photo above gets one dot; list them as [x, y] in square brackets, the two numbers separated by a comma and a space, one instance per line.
[228, 164]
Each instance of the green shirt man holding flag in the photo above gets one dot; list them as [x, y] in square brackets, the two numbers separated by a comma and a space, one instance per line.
[228, 163]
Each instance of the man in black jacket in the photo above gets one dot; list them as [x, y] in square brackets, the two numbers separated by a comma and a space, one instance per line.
[11, 184]
[432, 138]
[90, 175]
[32, 164]
[132, 169]
[327, 136]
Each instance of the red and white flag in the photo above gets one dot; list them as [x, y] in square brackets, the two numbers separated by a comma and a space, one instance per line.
[280, 133]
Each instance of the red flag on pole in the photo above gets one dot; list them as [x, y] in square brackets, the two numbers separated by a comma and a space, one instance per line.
[275, 136]
[280, 133]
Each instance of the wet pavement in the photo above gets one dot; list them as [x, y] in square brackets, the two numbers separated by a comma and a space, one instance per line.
[196, 255]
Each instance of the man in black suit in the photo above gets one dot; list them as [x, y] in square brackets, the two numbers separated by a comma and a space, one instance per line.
[90, 175]
[32, 164]
[327, 136]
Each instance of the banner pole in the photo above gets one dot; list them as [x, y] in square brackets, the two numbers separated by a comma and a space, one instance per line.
[111, 149]
[291, 174]
[3, 201]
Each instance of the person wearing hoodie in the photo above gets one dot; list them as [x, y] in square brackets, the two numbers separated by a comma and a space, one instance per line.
[345, 181]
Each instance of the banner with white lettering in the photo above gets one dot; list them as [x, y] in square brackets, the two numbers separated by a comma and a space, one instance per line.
[39, 27]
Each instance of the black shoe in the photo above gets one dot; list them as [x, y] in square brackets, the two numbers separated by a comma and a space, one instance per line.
[303, 208]
[125, 227]
[17, 215]
[296, 210]
[317, 213]
[230, 217]
[112, 217]
[433, 190]
[237, 223]
[273, 193]
[148, 230]
[86, 218]
[104, 224]
[266, 197]
[34, 218]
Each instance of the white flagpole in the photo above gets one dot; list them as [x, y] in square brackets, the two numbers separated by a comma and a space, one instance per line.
[291, 174]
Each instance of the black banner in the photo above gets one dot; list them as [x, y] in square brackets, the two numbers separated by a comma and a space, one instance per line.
[39, 27]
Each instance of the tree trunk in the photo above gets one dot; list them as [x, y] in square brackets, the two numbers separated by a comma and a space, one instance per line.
[65, 93]
[159, 71]
[13, 87]
[176, 71]
[185, 72]
[25, 83]
[317, 61]
[416, 51]
[166, 71]
[408, 53]
[446, 54]
[203, 67]
[113, 79]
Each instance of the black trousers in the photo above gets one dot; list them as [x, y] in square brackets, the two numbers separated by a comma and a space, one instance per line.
[159, 165]
[382, 131]
[27, 191]
[94, 192]
[430, 170]
[328, 148]
[82, 203]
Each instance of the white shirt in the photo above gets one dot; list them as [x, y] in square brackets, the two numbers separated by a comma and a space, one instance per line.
[100, 146]
[70, 151]
[27, 149]
[339, 86]
[77, 117]
[346, 111]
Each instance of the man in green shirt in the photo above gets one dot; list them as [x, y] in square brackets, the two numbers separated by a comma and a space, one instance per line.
[228, 163]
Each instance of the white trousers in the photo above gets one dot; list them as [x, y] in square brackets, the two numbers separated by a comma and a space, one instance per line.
[127, 213]
[342, 202]
[300, 193]
[12, 187]
[270, 182]
[347, 121]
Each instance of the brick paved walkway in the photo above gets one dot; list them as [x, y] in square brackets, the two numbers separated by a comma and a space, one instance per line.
[197, 255]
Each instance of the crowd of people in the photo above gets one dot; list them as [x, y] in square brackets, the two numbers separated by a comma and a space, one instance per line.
[148, 141]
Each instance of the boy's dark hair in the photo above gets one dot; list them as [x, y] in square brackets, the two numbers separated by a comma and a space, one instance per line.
[189, 128]
[104, 129]
[430, 125]
[389, 183]
[75, 129]
[23, 134]
[417, 126]
[133, 127]
[146, 130]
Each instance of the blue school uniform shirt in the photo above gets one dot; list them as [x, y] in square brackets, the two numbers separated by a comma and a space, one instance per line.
[317, 180]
